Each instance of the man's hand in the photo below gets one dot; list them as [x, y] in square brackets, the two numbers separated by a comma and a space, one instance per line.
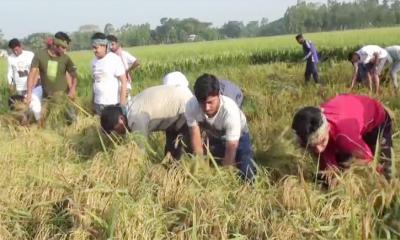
[72, 94]
[11, 89]
[28, 98]
[230, 153]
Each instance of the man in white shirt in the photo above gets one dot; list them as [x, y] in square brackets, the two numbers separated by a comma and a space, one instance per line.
[109, 79]
[224, 124]
[19, 64]
[158, 108]
[130, 62]
[374, 58]
[394, 53]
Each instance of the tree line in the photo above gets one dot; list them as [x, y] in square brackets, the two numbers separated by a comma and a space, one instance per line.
[302, 17]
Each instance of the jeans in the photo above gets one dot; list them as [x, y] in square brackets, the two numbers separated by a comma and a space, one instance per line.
[311, 69]
[244, 155]
[177, 141]
[393, 73]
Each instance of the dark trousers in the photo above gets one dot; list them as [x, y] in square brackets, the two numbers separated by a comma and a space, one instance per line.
[383, 136]
[244, 155]
[311, 69]
[177, 141]
[12, 100]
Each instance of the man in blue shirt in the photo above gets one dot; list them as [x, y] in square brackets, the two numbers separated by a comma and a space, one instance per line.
[311, 56]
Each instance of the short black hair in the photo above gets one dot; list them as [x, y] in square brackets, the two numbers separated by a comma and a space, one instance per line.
[63, 36]
[350, 56]
[306, 121]
[109, 117]
[98, 35]
[112, 38]
[298, 36]
[14, 43]
[206, 85]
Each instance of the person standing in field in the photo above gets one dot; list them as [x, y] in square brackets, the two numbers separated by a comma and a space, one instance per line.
[158, 108]
[374, 58]
[19, 64]
[343, 127]
[311, 58]
[227, 87]
[222, 120]
[109, 78]
[130, 62]
[394, 53]
[52, 64]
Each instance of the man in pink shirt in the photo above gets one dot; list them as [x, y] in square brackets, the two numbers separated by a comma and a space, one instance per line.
[130, 62]
[345, 126]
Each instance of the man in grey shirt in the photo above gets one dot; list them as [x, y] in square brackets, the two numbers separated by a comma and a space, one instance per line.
[158, 108]
[227, 88]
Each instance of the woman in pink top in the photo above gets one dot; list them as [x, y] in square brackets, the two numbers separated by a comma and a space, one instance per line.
[345, 126]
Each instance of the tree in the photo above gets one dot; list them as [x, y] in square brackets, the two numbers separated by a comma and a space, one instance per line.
[3, 42]
[135, 35]
[232, 29]
[36, 41]
[89, 28]
[251, 29]
[109, 29]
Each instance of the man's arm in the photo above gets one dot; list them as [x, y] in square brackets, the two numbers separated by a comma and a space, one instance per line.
[10, 77]
[135, 65]
[354, 78]
[375, 58]
[309, 52]
[32, 79]
[123, 90]
[72, 82]
[230, 153]
[195, 139]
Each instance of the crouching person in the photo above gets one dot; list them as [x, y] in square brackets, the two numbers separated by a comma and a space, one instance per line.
[159, 108]
[346, 126]
[224, 124]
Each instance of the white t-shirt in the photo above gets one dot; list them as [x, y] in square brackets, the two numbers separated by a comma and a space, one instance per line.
[105, 79]
[366, 53]
[176, 78]
[229, 122]
[18, 69]
[394, 52]
[127, 60]
[158, 108]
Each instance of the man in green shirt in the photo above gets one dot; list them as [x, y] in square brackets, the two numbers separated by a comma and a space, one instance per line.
[52, 64]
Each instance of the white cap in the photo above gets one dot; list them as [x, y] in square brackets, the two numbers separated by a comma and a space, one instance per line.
[176, 79]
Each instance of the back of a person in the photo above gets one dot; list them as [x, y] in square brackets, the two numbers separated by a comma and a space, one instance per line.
[175, 79]
[394, 52]
[349, 113]
[367, 52]
[232, 91]
[163, 106]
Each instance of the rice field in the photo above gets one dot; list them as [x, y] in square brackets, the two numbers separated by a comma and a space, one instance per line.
[72, 182]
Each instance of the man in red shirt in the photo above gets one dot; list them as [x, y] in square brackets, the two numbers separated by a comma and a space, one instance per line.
[345, 126]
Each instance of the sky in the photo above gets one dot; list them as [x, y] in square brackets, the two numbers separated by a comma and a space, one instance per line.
[19, 18]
